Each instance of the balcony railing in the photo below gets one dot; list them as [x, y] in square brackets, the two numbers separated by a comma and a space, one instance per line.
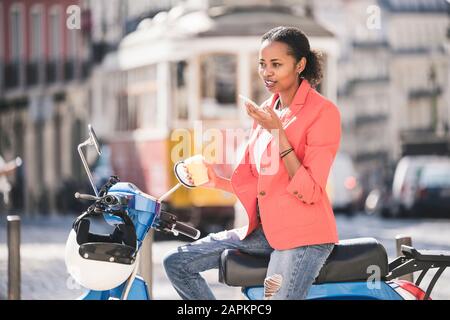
[51, 72]
[380, 155]
[370, 44]
[85, 69]
[363, 120]
[29, 74]
[69, 70]
[424, 93]
[12, 75]
[32, 74]
[360, 81]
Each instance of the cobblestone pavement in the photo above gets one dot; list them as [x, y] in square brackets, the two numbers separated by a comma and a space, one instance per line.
[44, 275]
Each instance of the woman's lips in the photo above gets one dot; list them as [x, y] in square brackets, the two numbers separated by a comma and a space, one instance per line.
[269, 84]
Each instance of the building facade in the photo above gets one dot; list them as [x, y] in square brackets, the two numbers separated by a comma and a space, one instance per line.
[44, 61]
[393, 75]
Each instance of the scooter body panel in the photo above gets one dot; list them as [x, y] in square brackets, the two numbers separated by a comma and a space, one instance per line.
[339, 291]
[138, 291]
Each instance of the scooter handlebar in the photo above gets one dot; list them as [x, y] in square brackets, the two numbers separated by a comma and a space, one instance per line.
[86, 196]
[186, 230]
[108, 200]
[168, 222]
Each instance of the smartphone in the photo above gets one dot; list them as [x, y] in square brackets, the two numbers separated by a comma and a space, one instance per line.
[245, 99]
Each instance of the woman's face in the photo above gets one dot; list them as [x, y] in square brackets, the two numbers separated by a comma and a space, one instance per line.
[277, 68]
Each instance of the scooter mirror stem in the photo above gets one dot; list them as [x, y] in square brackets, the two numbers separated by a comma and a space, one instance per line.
[85, 143]
[168, 193]
[86, 167]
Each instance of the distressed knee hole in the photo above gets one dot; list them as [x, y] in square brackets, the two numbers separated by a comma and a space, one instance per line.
[272, 285]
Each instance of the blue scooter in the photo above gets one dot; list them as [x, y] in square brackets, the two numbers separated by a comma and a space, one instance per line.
[356, 269]
[133, 213]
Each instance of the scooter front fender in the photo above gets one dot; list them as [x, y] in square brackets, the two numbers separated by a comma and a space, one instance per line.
[138, 291]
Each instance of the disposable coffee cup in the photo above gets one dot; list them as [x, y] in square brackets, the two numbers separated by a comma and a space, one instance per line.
[195, 165]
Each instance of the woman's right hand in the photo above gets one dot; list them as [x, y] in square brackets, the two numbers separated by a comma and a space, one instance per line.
[212, 175]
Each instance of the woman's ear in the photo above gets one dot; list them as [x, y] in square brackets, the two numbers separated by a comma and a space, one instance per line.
[301, 65]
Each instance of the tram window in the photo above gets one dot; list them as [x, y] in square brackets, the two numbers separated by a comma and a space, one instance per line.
[137, 104]
[181, 68]
[218, 84]
[136, 111]
[147, 110]
[179, 89]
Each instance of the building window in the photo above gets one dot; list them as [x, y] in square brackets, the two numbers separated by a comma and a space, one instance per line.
[72, 43]
[36, 38]
[55, 28]
[2, 53]
[16, 33]
[70, 65]
[179, 89]
[33, 68]
[137, 103]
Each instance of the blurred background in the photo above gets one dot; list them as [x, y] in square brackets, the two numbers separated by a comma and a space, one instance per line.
[141, 70]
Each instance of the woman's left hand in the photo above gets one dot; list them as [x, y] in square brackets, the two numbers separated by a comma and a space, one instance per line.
[265, 117]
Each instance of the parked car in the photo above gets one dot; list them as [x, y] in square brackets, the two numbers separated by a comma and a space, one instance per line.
[343, 186]
[406, 182]
[432, 197]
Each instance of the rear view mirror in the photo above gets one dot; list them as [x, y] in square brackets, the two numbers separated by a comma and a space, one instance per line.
[195, 166]
[93, 139]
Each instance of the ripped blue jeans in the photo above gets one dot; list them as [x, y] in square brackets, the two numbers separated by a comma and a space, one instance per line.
[290, 272]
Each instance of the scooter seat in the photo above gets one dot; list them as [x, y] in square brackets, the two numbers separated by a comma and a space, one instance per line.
[351, 260]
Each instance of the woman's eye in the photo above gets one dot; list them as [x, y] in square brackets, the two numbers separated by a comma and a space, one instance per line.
[276, 65]
[262, 64]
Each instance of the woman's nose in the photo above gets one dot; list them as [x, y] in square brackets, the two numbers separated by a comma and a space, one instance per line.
[266, 72]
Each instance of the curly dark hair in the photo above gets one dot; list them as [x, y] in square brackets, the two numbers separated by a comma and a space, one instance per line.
[298, 45]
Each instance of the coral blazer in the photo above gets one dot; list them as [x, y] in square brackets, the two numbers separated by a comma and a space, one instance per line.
[294, 211]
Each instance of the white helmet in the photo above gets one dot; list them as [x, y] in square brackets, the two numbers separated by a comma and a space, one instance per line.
[101, 262]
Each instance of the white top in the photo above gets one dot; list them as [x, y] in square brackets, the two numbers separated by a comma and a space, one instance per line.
[263, 140]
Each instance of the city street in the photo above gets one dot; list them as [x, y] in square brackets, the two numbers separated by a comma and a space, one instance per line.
[44, 275]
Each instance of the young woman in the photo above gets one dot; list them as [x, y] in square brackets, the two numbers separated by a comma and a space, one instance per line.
[290, 216]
